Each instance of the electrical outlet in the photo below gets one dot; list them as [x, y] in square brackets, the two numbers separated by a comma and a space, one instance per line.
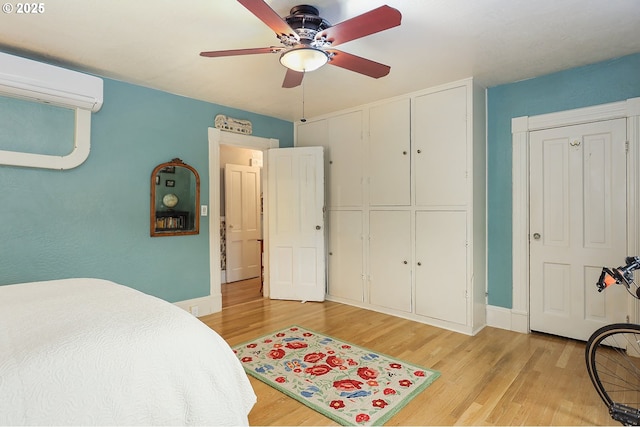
[194, 310]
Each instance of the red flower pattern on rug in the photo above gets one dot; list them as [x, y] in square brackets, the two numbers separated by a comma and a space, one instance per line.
[350, 384]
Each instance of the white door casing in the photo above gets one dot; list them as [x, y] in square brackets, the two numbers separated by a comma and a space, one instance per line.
[577, 225]
[296, 223]
[517, 319]
[242, 214]
[213, 303]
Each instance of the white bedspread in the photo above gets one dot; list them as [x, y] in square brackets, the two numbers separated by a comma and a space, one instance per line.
[91, 352]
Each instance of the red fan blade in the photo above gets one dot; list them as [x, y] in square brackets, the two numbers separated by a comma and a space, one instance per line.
[292, 78]
[267, 15]
[234, 52]
[358, 64]
[374, 21]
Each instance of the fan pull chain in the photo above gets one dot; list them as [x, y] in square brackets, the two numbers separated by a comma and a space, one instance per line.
[303, 119]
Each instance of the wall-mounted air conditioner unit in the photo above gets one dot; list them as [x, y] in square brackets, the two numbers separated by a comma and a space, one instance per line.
[35, 81]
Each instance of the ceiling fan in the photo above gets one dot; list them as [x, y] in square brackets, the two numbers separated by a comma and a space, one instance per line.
[308, 40]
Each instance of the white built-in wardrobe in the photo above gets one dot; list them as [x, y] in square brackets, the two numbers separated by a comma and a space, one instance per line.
[405, 204]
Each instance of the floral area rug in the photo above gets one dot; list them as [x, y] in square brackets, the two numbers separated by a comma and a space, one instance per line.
[347, 383]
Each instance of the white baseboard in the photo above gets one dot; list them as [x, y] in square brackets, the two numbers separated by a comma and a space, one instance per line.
[505, 318]
[202, 306]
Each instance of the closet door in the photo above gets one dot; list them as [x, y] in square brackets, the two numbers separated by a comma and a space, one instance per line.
[441, 265]
[440, 148]
[345, 160]
[390, 259]
[341, 136]
[346, 263]
[389, 152]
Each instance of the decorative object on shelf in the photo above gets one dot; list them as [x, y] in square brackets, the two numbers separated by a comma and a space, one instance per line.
[230, 124]
[170, 200]
[175, 213]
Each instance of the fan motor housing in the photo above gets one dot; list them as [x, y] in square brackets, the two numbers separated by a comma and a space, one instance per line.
[306, 22]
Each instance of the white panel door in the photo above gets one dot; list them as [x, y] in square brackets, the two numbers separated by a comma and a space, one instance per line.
[441, 265]
[390, 153]
[296, 223]
[577, 225]
[242, 213]
[440, 148]
[390, 259]
[346, 263]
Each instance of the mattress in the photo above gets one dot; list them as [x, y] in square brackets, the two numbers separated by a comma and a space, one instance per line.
[93, 352]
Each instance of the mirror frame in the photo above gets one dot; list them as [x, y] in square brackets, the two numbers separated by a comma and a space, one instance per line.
[152, 218]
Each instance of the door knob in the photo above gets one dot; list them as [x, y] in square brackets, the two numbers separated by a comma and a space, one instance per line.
[536, 236]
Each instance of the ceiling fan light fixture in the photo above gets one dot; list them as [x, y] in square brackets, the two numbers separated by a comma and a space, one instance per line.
[304, 59]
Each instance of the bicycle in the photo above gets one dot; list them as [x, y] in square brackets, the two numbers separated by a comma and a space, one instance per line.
[613, 352]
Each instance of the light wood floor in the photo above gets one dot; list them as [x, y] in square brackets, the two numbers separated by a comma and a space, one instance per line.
[242, 291]
[497, 377]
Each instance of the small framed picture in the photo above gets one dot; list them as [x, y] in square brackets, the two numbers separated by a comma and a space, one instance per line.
[170, 183]
[168, 169]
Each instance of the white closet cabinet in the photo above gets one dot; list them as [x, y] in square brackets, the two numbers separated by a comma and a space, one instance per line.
[390, 259]
[389, 150]
[345, 255]
[441, 148]
[342, 138]
[441, 265]
[419, 195]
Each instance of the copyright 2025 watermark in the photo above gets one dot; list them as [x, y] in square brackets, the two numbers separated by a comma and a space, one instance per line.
[23, 8]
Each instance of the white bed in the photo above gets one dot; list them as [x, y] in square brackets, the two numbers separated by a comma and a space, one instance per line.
[92, 352]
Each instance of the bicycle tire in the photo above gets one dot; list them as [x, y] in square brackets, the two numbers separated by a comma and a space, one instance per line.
[613, 361]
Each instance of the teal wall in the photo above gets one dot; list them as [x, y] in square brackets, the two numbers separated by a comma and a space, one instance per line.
[600, 83]
[93, 220]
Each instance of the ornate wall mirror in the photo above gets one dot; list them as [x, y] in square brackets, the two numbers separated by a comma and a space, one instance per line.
[175, 197]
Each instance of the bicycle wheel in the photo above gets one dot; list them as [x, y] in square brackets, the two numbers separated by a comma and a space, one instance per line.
[613, 362]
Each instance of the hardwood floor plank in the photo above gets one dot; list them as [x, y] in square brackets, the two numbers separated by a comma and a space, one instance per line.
[497, 377]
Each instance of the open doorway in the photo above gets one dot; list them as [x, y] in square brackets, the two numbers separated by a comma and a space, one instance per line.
[241, 224]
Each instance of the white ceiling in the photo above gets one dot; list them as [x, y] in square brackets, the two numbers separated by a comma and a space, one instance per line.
[156, 43]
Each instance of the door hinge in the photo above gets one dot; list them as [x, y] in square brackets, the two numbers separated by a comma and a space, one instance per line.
[626, 147]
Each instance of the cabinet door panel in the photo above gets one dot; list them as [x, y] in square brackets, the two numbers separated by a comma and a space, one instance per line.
[341, 136]
[440, 148]
[390, 259]
[345, 160]
[441, 279]
[389, 154]
[313, 134]
[346, 278]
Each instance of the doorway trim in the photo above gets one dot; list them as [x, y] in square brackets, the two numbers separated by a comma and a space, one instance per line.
[520, 128]
[216, 138]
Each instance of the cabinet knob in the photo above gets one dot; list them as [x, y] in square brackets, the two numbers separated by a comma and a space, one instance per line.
[536, 236]
[419, 151]
[404, 153]
[419, 264]
[318, 227]
[330, 253]
[405, 262]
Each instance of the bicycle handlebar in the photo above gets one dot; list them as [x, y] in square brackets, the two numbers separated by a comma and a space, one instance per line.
[622, 275]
